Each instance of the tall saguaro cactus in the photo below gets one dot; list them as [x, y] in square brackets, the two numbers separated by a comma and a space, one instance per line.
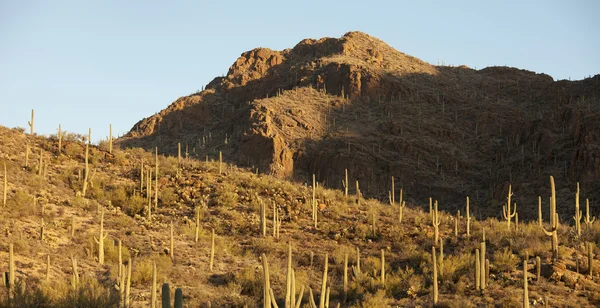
[31, 123]
[154, 289]
[477, 271]
[578, 213]
[435, 221]
[110, 139]
[393, 193]
[267, 283]
[588, 222]
[324, 283]
[435, 275]
[540, 221]
[101, 238]
[60, 135]
[506, 213]
[553, 222]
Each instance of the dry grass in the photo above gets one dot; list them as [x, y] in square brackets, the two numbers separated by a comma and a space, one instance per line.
[232, 210]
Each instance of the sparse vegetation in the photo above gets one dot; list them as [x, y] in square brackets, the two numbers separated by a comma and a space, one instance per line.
[104, 226]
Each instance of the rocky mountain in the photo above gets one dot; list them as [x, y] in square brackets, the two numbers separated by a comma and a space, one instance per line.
[356, 103]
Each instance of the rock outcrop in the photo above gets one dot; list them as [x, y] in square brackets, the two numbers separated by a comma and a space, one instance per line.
[356, 103]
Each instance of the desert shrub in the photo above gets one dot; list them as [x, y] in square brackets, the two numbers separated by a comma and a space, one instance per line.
[378, 299]
[90, 293]
[505, 260]
[404, 283]
[35, 183]
[251, 283]
[456, 266]
[142, 268]
[27, 295]
[73, 150]
[167, 166]
[96, 189]
[226, 195]
[111, 251]
[167, 196]
[118, 195]
[21, 203]
[134, 205]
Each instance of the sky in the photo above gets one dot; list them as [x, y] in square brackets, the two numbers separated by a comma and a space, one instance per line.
[88, 64]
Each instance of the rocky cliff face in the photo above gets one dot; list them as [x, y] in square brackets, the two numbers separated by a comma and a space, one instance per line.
[355, 103]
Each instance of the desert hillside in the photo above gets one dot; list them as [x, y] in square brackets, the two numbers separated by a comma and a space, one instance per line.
[338, 173]
[209, 230]
[356, 104]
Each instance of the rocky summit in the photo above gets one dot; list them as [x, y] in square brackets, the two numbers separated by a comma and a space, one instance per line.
[356, 104]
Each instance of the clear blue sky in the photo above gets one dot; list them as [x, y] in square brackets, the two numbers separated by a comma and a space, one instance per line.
[90, 63]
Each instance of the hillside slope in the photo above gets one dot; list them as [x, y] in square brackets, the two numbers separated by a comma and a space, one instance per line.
[197, 198]
[356, 103]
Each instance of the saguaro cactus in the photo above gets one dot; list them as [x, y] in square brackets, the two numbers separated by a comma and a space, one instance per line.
[154, 289]
[101, 237]
[324, 283]
[553, 222]
[197, 227]
[538, 268]
[482, 260]
[435, 278]
[220, 162]
[578, 213]
[356, 268]
[110, 138]
[289, 292]
[540, 221]
[60, 135]
[31, 123]
[506, 209]
[435, 221]
[401, 211]
[166, 296]
[525, 291]
[267, 283]
[588, 222]
[75, 277]
[178, 303]
[477, 271]
[393, 193]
